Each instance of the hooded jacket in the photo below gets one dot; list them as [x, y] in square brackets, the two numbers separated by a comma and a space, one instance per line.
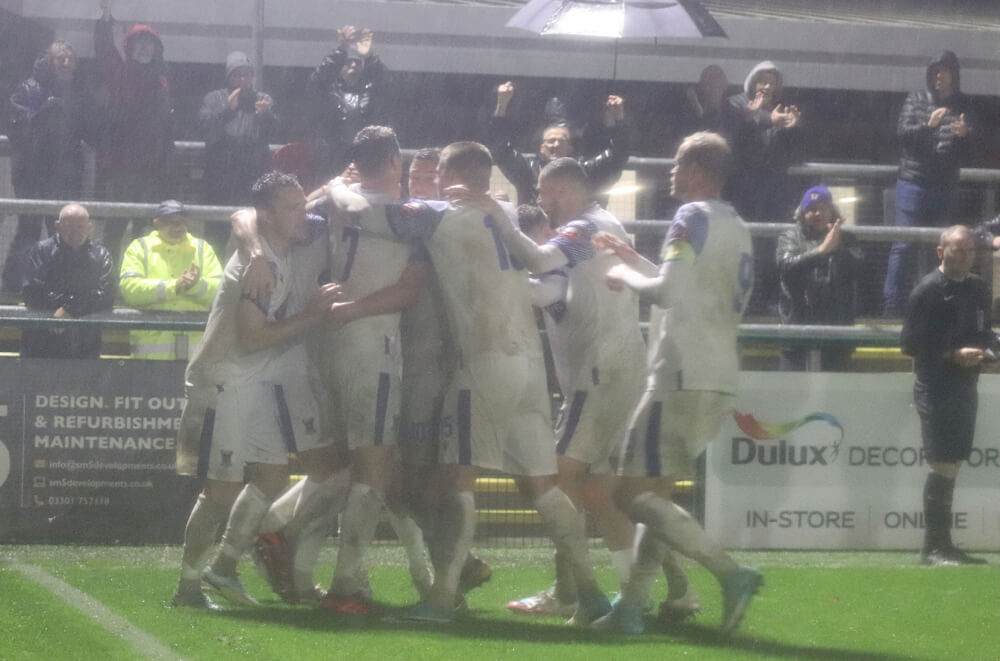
[933, 156]
[134, 126]
[236, 144]
[45, 130]
[762, 152]
[816, 288]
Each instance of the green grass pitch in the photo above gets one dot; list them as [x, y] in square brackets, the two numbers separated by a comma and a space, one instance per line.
[820, 606]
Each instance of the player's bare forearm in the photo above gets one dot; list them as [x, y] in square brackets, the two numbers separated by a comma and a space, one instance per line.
[394, 298]
[255, 332]
[625, 252]
[537, 258]
[647, 287]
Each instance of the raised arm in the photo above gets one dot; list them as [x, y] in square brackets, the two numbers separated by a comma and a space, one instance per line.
[109, 60]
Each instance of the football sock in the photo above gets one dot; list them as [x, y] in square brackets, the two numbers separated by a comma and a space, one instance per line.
[307, 549]
[645, 568]
[412, 539]
[677, 581]
[621, 563]
[568, 529]
[357, 527]
[309, 487]
[938, 493]
[241, 529]
[456, 528]
[281, 510]
[565, 585]
[315, 500]
[681, 532]
[199, 536]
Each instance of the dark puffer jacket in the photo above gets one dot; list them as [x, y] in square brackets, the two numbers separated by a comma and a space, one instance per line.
[932, 156]
[80, 281]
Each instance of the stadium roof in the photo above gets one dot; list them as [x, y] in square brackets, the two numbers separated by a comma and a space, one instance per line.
[956, 14]
[833, 44]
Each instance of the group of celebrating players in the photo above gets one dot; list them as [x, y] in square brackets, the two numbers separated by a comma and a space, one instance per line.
[416, 362]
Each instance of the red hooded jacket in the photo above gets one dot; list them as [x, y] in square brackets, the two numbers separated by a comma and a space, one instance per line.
[134, 130]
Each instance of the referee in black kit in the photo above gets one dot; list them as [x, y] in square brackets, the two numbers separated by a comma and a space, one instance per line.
[948, 333]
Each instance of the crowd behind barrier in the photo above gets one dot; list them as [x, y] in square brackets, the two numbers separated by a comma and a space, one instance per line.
[122, 144]
[119, 113]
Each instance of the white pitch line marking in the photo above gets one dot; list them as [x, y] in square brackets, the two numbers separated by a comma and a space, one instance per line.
[147, 645]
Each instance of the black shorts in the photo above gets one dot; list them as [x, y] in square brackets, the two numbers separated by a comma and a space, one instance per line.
[947, 421]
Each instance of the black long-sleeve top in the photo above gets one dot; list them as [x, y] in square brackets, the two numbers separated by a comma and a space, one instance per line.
[341, 110]
[944, 315]
[603, 168]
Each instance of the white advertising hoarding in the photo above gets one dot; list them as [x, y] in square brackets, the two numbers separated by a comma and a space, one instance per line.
[828, 461]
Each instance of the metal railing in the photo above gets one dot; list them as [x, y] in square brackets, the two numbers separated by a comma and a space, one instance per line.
[120, 318]
[221, 214]
[131, 319]
[868, 171]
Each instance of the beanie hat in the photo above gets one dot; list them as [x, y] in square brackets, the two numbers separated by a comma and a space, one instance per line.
[236, 60]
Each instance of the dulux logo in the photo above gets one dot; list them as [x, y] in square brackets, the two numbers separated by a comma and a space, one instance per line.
[761, 446]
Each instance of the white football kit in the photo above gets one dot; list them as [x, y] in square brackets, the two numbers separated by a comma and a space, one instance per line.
[597, 345]
[495, 412]
[694, 360]
[428, 363]
[252, 407]
[361, 362]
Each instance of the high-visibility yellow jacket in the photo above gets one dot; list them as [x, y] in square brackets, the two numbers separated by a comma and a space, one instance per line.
[150, 269]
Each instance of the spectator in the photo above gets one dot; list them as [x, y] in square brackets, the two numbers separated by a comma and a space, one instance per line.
[237, 123]
[987, 238]
[169, 270]
[704, 103]
[603, 167]
[134, 119]
[342, 89]
[69, 276]
[764, 135]
[933, 129]
[818, 263]
[46, 150]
